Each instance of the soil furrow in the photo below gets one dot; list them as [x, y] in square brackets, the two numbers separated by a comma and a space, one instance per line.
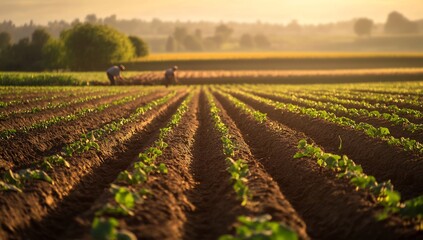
[395, 130]
[57, 98]
[161, 215]
[17, 111]
[267, 195]
[28, 148]
[48, 209]
[382, 110]
[27, 119]
[45, 98]
[377, 157]
[331, 207]
[215, 206]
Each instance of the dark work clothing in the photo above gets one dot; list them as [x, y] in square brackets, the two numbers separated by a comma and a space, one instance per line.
[111, 78]
[169, 77]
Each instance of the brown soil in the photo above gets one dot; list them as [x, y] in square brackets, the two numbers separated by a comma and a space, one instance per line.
[377, 157]
[27, 119]
[386, 92]
[13, 94]
[395, 130]
[412, 119]
[35, 215]
[30, 100]
[331, 208]
[268, 198]
[25, 149]
[195, 199]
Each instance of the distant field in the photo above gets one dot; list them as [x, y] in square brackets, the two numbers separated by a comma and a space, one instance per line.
[216, 76]
[271, 55]
[276, 61]
[57, 78]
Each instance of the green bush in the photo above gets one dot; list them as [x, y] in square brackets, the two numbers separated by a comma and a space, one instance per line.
[141, 47]
[95, 47]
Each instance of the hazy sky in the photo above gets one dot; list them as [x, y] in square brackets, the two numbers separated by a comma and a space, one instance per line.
[278, 11]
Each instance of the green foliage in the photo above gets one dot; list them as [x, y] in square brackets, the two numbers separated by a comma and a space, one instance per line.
[26, 55]
[91, 47]
[107, 229]
[53, 105]
[15, 181]
[124, 201]
[143, 168]
[126, 198]
[87, 141]
[413, 208]
[238, 169]
[333, 106]
[346, 168]
[5, 40]
[53, 53]
[260, 228]
[141, 47]
[51, 161]
[380, 132]
[258, 116]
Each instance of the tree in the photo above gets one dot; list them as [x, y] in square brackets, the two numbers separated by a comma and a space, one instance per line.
[246, 41]
[294, 26]
[198, 33]
[16, 57]
[95, 47]
[170, 44]
[40, 37]
[179, 34]
[141, 47]
[261, 41]
[222, 34]
[192, 43]
[54, 55]
[363, 27]
[5, 39]
[398, 24]
[91, 18]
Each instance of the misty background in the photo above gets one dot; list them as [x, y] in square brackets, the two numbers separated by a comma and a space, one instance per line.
[396, 33]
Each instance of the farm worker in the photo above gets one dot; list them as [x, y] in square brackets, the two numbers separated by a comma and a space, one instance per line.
[114, 72]
[170, 76]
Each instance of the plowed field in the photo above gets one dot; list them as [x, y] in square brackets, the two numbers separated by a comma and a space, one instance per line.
[186, 162]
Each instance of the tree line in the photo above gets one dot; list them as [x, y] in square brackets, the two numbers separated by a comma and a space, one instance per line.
[82, 47]
[182, 40]
[203, 35]
[396, 24]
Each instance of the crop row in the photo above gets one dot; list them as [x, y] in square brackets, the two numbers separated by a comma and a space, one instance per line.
[50, 105]
[382, 133]
[70, 117]
[21, 91]
[385, 194]
[88, 141]
[351, 112]
[45, 95]
[128, 190]
[390, 108]
[249, 227]
[378, 97]
[344, 167]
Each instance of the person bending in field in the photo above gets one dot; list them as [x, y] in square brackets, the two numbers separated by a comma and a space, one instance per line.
[170, 76]
[113, 73]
